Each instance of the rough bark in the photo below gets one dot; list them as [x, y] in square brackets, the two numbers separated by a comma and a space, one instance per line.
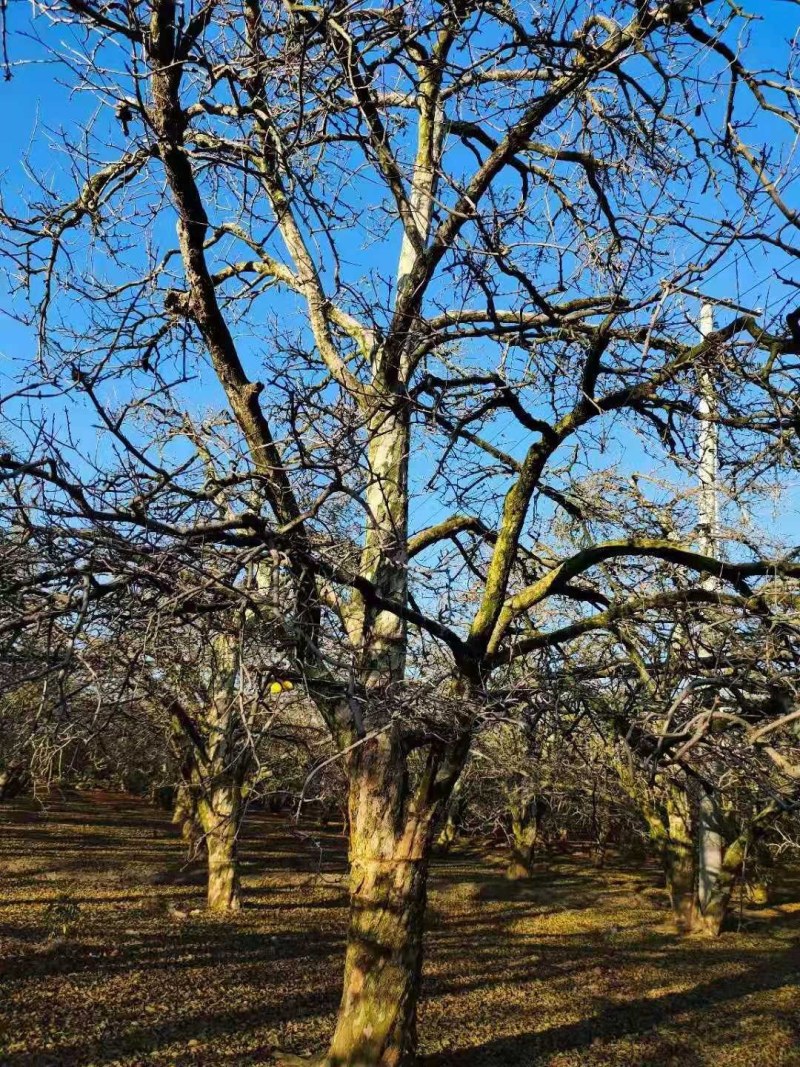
[14, 780]
[208, 803]
[185, 816]
[526, 821]
[679, 860]
[700, 908]
[523, 846]
[390, 845]
[668, 812]
[391, 825]
[220, 814]
[668, 815]
[448, 834]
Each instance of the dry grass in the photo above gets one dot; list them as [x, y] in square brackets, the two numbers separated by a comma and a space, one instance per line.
[105, 960]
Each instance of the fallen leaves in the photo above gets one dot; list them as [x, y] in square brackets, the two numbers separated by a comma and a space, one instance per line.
[574, 967]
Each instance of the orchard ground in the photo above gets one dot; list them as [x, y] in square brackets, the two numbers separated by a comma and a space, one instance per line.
[107, 956]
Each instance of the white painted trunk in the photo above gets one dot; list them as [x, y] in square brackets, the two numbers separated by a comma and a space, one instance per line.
[710, 845]
[708, 434]
[711, 849]
[384, 559]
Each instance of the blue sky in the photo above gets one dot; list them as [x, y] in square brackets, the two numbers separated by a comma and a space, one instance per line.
[38, 95]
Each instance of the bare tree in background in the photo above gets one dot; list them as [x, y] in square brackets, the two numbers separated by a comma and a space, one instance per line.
[213, 680]
[689, 724]
[431, 261]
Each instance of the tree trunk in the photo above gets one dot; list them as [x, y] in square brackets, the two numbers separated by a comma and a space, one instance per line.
[601, 829]
[679, 860]
[185, 816]
[711, 917]
[523, 845]
[700, 907]
[709, 923]
[220, 815]
[526, 821]
[14, 780]
[667, 811]
[391, 825]
[390, 845]
[710, 848]
[452, 822]
[448, 833]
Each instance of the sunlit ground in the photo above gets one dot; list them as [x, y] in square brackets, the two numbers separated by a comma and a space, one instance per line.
[105, 959]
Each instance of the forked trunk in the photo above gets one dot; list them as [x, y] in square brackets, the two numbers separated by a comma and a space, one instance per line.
[523, 846]
[709, 923]
[220, 813]
[711, 916]
[701, 871]
[526, 821]
[390, 845]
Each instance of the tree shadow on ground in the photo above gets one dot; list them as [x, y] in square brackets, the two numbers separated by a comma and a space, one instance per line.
[640, 1016]
[575, 961]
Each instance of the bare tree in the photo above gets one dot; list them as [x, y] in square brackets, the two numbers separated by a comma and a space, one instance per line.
[431, 259]
[209, 684]
[689, 725]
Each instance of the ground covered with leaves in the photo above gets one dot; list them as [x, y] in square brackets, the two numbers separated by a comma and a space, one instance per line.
[107, 956]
